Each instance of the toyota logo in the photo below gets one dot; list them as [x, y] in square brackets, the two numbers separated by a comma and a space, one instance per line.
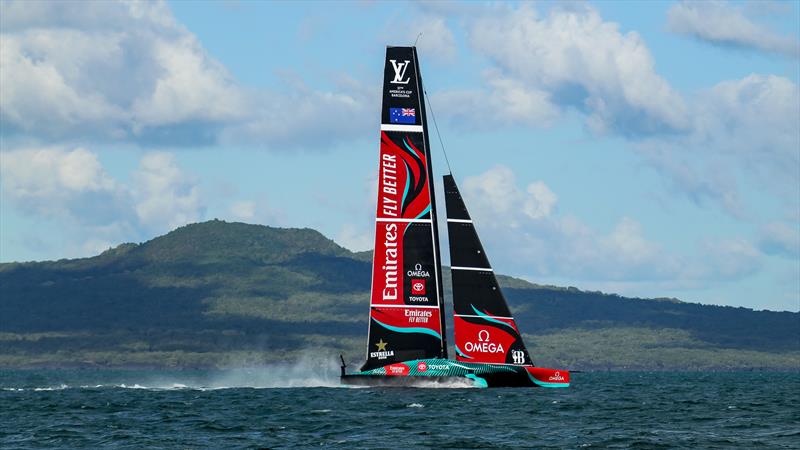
[419, 286]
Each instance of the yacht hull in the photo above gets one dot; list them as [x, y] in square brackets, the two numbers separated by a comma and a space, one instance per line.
[444, 372]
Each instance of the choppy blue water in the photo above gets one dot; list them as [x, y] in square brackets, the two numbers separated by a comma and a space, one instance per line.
[245, 409]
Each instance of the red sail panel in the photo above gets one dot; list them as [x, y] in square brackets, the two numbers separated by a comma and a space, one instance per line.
[488, 340]
[403, 191]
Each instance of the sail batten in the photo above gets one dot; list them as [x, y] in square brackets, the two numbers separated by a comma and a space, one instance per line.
[406, 317]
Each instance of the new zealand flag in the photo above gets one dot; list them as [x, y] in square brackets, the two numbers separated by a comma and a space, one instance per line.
[403, 115]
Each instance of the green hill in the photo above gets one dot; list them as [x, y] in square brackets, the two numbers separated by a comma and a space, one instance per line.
[231, 294]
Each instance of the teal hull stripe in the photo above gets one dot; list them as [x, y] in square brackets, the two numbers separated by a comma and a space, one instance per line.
[489, 319]
[409, 330]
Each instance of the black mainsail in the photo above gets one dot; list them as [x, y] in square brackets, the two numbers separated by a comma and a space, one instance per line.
[484, 328]
[406, 303]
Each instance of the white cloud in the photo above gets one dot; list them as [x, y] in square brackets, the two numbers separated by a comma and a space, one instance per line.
[496, 194]
[428, 28]
[541, 201]
[165, 196]
[720, 22]
[300, 116]
[778, 238]
[94, 211]
[72, 188]
[505, 102]
[63, 184]
[354, 238]
[746, 134]
[735, 137]
[730, 259]
[128, 71]
[437, 42]
[573, 59]
[121, 70]
[243, 210]
[551, 246]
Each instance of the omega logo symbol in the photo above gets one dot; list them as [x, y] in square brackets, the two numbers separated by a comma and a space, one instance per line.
[556, 377]
[484, 345]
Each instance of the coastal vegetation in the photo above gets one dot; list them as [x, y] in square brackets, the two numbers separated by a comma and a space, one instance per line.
[218, 294]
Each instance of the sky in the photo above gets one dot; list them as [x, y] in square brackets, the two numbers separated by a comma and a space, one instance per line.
[648, 149]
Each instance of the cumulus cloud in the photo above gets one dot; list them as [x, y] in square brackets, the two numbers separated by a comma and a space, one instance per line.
[428, 26]
[745, 133]
[504, 102]
[778, 238]
[710, 146]
[243, 210]
[165, 197]
[128, 71]
[535, 240]
[95, 211]
[63, 184]
[436, 42]
[722, 23]
[550, 245]
[115, 70]
[354, 238]
[570, 59]
[496, 192]
[300, 116]
[729, 259]
[72, 188]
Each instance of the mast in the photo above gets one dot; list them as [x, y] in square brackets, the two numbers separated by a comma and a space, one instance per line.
[435, 229]
[406, 316]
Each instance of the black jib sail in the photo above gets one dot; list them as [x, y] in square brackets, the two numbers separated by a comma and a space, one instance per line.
[406, 316]
[485, 331]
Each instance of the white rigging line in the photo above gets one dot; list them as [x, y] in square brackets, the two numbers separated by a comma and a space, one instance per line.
[436, 126]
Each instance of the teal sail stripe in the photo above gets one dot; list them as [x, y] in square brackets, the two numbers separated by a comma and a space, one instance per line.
[490, 319]
[425, 211]
[462, 354]
[409, 330]
[408, 178]
[413, 153]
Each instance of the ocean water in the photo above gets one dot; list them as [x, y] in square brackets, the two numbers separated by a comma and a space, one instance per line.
[284, 407]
